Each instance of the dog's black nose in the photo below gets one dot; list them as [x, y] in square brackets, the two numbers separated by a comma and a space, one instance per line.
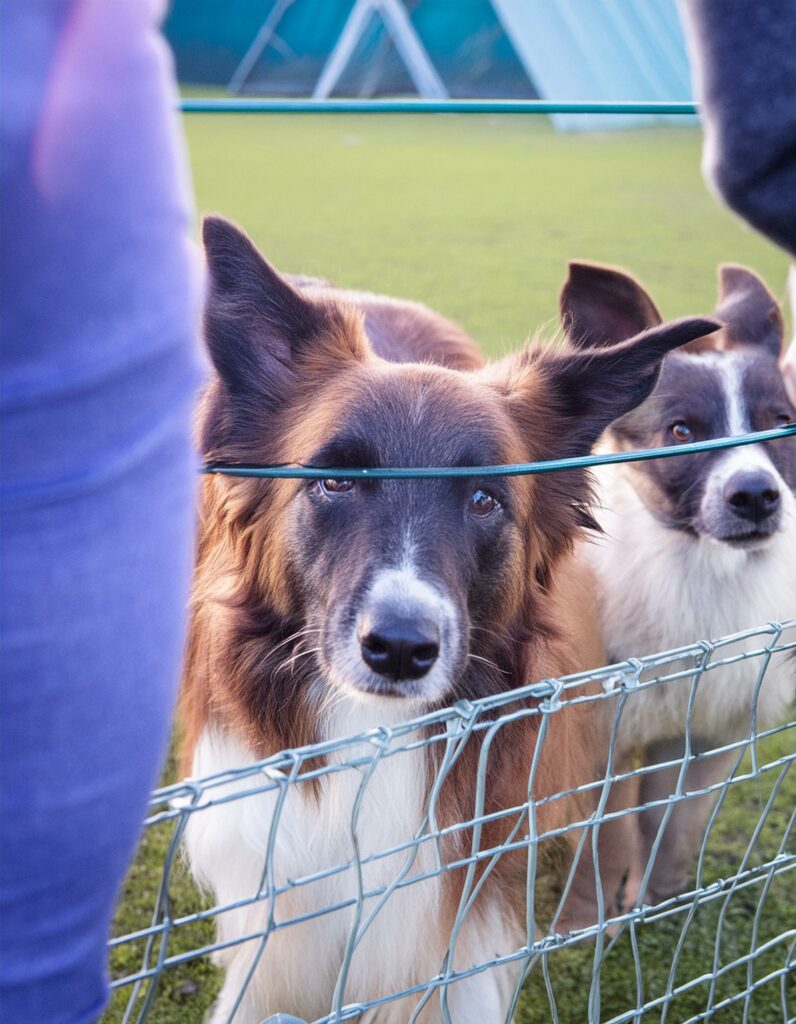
[752, 495]
[402, 650]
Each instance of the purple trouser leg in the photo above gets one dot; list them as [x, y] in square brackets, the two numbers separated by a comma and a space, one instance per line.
[98, 308]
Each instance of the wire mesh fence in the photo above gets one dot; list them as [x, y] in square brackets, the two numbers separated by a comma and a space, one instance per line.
[412, 911]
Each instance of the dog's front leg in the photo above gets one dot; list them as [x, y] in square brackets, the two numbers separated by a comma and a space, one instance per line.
[685, 829]
[615, 869]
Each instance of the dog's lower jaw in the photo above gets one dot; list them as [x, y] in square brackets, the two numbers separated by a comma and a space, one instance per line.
[405, 944]
[750, 542]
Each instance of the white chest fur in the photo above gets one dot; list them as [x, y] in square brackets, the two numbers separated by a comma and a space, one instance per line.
[661, 588]
[405, 942]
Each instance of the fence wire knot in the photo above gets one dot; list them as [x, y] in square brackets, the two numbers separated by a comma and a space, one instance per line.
[552, 703]
[632, 674]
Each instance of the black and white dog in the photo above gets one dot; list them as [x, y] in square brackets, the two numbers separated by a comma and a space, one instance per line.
[696, 547]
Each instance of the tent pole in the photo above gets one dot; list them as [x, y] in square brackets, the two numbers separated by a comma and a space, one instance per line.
[418, 63]
[415, 56]
[260, 42]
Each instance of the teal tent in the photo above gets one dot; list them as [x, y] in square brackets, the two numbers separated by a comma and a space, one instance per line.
[552, 49]
[281, 47]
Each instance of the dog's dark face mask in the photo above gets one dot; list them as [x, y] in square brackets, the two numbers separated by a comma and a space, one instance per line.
[724, 386]
[400, 575]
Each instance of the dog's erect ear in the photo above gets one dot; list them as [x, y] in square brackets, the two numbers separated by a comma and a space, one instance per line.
[591, 389]
[750, 313]
[257, 325]
[602, 305]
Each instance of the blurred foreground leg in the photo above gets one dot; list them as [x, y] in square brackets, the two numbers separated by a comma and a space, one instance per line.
[98, 290]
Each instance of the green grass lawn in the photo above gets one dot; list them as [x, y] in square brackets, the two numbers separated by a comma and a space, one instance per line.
[477, 216]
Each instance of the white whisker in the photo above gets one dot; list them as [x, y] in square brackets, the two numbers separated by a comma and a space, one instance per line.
[487, 661]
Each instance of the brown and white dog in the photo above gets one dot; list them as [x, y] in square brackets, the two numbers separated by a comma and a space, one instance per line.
[326, 608]
[693, 548]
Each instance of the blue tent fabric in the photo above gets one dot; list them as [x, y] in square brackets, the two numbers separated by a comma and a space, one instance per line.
[599, 50]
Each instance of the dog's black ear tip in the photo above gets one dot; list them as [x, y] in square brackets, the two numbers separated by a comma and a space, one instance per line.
[693, 327]
[709, 324]
[234, 261]
[730, 273]
[216, 229]
[580, 274]
[585, 270]
[735, 278]
[221, 236]
[212, 224]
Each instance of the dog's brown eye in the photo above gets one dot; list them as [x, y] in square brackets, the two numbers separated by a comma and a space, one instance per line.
[681, 432]
[336, 486]
[482, 503]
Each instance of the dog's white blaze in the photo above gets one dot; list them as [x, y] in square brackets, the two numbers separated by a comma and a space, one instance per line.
[792, 297]
[409, 594]
[789, 364]
[405, 943]
[730, 367]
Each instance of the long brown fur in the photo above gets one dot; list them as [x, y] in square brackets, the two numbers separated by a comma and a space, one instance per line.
[249, 666]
